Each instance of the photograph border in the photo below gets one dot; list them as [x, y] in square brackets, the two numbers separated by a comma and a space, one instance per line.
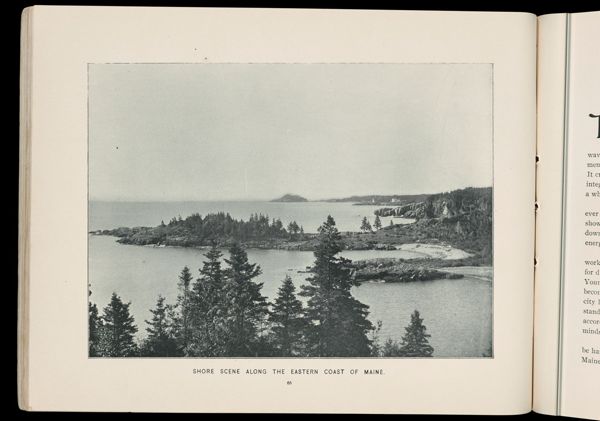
[493, 282]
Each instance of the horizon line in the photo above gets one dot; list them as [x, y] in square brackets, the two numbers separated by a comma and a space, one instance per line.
[323, 199]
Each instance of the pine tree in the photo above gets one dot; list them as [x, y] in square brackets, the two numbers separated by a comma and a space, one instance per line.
[414, 342]
[287, 322]
[365, 226]
[391, 223]
[293, 228]
[118, 330]
[374, 337]
[184, 303]
[247, 307]
[391, 348]
[377, 223]
[161, 340]
[338, 323]
[208, 309]
[94, 325]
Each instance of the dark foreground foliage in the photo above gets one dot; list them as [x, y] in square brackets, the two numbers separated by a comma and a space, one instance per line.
[222, 313]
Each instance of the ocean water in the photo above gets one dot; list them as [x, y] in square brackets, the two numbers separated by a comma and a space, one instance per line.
[457, 313]
[348, 217]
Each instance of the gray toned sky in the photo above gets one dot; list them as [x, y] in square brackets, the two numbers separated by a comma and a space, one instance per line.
[258, 131]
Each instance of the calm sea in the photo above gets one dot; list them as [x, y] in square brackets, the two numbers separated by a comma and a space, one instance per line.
[107, 215]
[457, 313]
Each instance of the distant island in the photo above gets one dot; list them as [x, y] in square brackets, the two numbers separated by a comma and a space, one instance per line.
[290, 198]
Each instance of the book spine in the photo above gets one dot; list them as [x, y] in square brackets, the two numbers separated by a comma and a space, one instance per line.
[552, 65]
[24, 208]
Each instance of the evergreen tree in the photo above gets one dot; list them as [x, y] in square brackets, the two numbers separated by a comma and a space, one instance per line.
[338, 323]
[414, 341]
[94, 325]
[391, 348]
[246, 306]
[161, 340]
[287, 322]
[293, 228]
[377, 223]
[118, 330]
[208, 311]
[185, 304]
[391, 223]
[375, 345]
[365, 226]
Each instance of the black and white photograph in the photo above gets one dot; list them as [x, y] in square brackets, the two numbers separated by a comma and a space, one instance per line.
[290, 210]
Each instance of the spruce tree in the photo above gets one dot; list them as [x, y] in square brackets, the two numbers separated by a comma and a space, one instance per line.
[414, 342]
[94, 326]
[287, 322]
[338, 322]
[208, 309]
[118, 330]
[365, 226]
[184, 303]
[377, 223]
[293, 228]
[161, 340]
[246, 306]
[391, 348]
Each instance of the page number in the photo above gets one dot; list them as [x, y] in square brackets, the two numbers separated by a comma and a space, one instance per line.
[598, 117]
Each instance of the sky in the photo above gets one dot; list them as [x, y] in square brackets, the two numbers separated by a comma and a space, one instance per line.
[178, 132]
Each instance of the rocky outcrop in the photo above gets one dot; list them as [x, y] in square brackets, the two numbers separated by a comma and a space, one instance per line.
[414, 210]
[444, 205]
[461, 218]
[398, 270]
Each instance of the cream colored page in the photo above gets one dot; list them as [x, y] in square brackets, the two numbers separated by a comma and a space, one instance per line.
[551, 88]
[67, 39]
[580, 365]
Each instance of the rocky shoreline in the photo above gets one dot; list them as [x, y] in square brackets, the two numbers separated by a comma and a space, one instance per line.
[398, 237]
[390, 270]
[388, 238]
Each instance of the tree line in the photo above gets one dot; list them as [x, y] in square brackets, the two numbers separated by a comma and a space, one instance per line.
[221, 224]
[220, 228]
[222, 313]
[365, 225]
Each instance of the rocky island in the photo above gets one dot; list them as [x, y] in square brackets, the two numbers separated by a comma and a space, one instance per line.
[400, 270]
[290, 198]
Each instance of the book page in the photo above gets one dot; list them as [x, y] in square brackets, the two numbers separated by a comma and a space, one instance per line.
[567, 344]
[281, 211]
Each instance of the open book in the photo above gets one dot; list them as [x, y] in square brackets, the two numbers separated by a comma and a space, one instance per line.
[261, 210]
